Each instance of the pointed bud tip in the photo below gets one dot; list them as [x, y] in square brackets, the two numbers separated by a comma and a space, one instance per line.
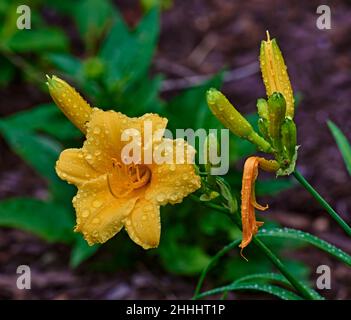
[212, 95]
[268, 36]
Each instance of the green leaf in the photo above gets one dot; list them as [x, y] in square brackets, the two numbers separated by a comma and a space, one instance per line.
[273, 186]
[181, 258]
[7, 72]
[142, 97]
[46, 220]
[38, 151]
[38, 40]
[92, 18]
[266, 277]
[189, 109]
[186, 260]
[343, 144]
[45, 118]
[128, 55]
[81, 251]
[271, 289]
[288, 233]
[66, 63]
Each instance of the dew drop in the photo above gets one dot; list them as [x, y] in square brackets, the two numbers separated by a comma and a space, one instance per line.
[85, 214]
[97, 130]
[97, 203]
[96, 220]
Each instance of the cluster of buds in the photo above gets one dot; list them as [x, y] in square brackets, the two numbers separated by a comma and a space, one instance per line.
[277, 131]
[276, 114]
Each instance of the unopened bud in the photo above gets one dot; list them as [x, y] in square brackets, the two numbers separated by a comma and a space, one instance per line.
[288, 132]
[232, 119]
[276, 113]
[75, 108]
[274, 73]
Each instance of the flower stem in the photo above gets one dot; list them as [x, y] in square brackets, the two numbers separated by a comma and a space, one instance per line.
[299, 286]
[300, 178]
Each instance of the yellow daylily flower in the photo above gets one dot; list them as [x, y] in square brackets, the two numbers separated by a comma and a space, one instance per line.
[248, 198]
[111, 194]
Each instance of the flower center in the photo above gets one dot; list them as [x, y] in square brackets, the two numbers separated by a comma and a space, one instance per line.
[123, 178]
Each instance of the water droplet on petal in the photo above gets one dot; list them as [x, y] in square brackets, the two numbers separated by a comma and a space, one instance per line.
[85, 214]
[97, 203]
[96, 220]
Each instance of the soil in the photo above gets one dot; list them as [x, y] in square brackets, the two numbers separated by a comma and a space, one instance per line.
[198, 38]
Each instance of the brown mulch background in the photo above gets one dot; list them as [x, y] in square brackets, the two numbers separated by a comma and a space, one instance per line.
[199, 37]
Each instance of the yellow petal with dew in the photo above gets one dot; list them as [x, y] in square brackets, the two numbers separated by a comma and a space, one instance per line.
[143, 224]
[171, 182]
[99, 214]
[72, 167]
[104, 133]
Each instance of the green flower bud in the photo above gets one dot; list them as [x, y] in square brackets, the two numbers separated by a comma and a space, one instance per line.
[288, 134]
[232, 119]
[262, 108]
[276, 114]
[263, 127]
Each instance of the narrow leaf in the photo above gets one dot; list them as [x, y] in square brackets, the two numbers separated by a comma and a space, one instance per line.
[288, 233]
[343, 144]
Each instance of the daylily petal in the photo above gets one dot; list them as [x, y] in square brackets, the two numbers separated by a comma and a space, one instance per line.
[72, 167]
[248, 202]
[104, 132]
[143, 225]
[170, 183]
[99, 214]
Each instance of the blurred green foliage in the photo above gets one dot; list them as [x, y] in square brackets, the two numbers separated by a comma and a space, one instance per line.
[113, 71]
[343, 144]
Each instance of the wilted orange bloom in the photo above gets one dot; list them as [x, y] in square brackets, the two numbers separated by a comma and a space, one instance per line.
[248, 198]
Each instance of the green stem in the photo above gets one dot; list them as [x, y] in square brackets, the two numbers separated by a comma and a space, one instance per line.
[300, 287]
[213, 261]
[300, 178]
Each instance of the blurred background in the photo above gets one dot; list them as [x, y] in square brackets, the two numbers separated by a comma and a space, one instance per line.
[132, 57]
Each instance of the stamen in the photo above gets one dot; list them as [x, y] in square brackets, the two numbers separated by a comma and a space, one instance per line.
[129, 177]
